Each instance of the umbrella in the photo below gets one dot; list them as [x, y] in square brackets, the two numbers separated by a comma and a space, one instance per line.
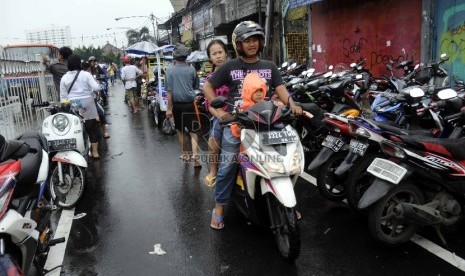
[197, 56]
[142, 48]
[166, 48]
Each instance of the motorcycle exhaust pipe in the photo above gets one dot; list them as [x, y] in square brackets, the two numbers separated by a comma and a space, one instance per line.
[418, 214]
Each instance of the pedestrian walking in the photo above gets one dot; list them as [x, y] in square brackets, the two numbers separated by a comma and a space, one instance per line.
[129, 73]
[181, 81]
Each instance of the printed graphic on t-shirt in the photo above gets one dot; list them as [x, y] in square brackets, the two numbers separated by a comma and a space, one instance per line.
[239, 75]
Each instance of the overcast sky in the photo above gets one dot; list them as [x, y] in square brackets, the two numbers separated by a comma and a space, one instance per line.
[88, 19]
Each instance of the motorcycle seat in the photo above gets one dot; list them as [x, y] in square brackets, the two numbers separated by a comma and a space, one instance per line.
[30, 164]
[454, 148]
[391, 127]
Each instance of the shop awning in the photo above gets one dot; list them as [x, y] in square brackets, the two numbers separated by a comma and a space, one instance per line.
[300, 3]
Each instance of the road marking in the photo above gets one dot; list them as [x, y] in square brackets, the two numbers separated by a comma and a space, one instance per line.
[56, 253]
[430, 246]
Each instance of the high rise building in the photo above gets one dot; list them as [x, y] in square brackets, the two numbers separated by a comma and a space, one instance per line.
[56, 35]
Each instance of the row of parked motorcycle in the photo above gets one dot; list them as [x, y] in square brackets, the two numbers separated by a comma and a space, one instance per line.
[39, 173]
[392, 146]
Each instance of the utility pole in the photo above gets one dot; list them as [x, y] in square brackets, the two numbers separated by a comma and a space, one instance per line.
[154, 21]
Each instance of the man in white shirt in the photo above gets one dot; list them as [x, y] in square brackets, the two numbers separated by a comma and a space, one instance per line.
[129, 74]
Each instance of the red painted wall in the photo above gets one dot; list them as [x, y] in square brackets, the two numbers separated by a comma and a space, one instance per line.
[376, 30]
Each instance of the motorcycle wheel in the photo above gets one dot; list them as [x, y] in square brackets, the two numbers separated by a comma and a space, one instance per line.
[330, 185]
[68, 194]
[287, 232]
[382, 222]
[358, 181]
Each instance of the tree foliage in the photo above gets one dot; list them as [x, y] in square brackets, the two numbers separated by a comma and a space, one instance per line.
[135, 36]
[86, 52]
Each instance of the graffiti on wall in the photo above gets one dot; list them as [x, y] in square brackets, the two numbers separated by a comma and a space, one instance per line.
[451, 35]
[453, 43]
[349, 48]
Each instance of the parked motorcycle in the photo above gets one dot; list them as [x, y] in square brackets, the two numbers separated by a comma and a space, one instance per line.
[420, 182]
[68, 146]
[368, 135]
[25, 230]
[270, 161]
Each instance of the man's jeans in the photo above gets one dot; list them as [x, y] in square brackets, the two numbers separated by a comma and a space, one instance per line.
[227, 169]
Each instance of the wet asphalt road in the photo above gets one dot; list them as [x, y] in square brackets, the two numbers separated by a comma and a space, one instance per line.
[140, 194]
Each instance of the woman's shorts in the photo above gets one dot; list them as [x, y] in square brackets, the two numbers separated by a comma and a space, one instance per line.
[185, 117]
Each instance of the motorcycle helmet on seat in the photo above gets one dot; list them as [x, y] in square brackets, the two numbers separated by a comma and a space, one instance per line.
[243, 31]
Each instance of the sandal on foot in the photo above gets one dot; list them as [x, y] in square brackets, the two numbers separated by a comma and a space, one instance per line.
[218, 219]
[210, 182]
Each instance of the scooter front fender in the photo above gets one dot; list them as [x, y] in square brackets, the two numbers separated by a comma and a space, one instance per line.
[348, 162]
[70, 157]
[323, 156]
[282, 188]
[375, 192]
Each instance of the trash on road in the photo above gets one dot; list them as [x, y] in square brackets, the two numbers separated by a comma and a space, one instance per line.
[157, 250]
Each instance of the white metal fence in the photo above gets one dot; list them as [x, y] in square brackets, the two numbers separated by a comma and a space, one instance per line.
[22, 83]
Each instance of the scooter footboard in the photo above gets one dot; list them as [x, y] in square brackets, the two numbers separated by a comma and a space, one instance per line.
[70, 157]
[282, 188]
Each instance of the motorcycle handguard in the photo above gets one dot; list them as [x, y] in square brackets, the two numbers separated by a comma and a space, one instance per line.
[375, 192]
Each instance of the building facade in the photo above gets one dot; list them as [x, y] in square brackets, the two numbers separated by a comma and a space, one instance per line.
[56, 35]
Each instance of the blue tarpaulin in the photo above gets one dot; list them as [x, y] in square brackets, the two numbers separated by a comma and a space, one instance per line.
[300, 3]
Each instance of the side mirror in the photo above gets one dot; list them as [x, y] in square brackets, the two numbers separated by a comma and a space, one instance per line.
[353, 64]
[329, 74]
[443, 56]
[389, 67]
[447, 94]
[330, 67]
[293, 65]
[416, 92]
[284, 65]
[218, 102]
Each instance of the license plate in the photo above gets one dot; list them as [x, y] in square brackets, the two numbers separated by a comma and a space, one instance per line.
[62, 144]
[279, 137]
[333, 143]
[358, 147]
[387, 170]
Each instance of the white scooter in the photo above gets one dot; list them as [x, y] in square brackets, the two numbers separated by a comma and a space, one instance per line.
[68, 144]
[271, 158]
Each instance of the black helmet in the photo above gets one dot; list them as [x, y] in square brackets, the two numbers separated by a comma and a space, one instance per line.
[246, 29]
[181, 52]
[92, 58]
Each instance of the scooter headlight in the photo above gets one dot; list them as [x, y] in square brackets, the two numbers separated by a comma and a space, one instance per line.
[60, 122]
[274, 167]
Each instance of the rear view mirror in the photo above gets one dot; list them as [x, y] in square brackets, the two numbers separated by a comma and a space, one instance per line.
[416, 92]
[284, 65]
[330, 67]
[353, 64]
[447, 94]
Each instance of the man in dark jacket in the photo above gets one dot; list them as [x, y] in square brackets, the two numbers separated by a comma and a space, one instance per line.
[60, 68]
